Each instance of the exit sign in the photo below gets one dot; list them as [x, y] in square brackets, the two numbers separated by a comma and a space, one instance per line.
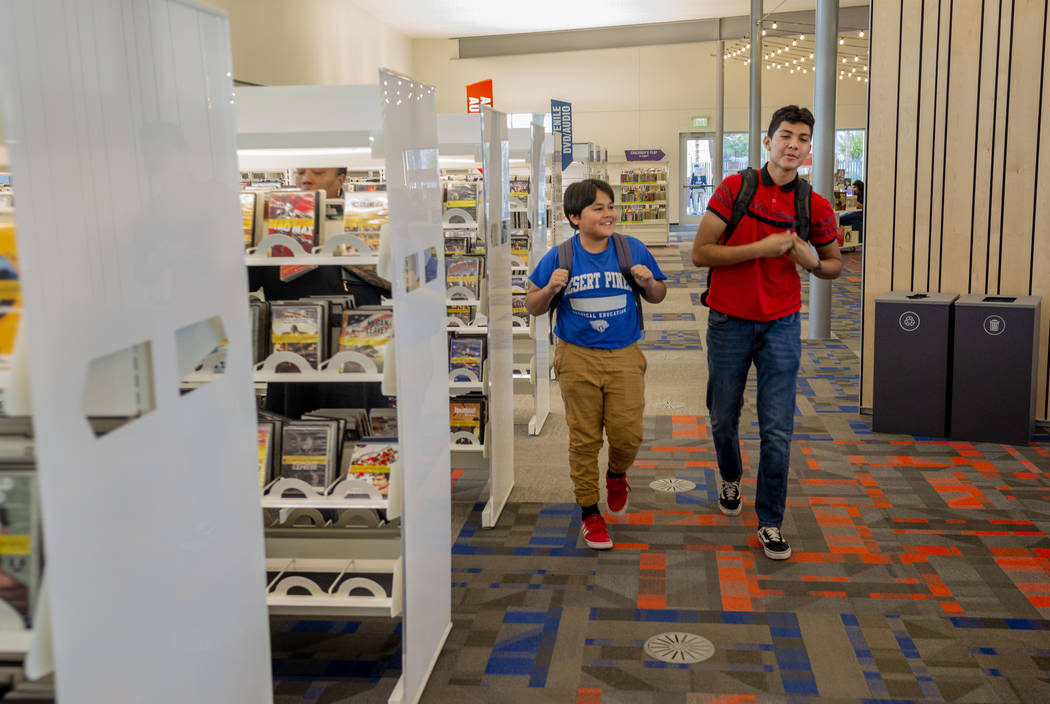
[701, 122]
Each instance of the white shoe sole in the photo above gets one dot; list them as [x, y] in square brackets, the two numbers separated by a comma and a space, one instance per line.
[731, 512]
[776, 555]
[622, 511]
[595, 545]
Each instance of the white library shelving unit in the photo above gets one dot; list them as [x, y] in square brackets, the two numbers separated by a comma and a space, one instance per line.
[367, 569]
[641, 199]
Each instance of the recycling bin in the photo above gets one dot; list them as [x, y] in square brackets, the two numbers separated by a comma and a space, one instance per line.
[994, 369]
[913, 338]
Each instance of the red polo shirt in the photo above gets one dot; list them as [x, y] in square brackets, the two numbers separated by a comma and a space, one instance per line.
[767, 288]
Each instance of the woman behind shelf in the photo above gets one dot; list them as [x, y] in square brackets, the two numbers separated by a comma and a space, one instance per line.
[600, 368]
[855, 219]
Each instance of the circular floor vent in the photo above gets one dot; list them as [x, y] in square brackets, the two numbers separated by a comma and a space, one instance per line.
[670, 405]
[673, 485]
[682, 648]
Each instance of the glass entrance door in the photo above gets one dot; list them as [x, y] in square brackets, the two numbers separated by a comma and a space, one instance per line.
[697, 175]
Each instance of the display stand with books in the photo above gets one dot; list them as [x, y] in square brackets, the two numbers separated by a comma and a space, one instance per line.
[480, 319]
[641, 200]
[354, 566]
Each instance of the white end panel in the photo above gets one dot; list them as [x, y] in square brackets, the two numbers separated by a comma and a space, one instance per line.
[496, 164]
[121, 130]
[417, 253]
[541, 377]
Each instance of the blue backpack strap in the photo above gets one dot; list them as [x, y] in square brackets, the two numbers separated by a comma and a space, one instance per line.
[564, 261]
[626, 261]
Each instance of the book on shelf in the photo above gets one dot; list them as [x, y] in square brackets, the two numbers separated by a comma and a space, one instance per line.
[265, 443]
[20, 542]
[466, 353]
[384, 422]
[298, 327]
[465, 271]
[467, 414]
[370, 462]
[296, 214]
[309, 451]
[366, 332]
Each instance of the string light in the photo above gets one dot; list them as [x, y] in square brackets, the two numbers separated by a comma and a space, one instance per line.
[763, 32]
[774, 25]
[842, 41]
[861, 34]
[802, 37]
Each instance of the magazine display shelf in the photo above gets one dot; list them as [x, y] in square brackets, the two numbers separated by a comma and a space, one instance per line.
[352, 123]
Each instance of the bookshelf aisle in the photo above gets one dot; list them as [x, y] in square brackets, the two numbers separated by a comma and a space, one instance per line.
[641, 200]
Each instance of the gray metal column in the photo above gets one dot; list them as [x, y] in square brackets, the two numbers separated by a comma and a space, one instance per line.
[755, 124]
[720, 111]
[824, 87]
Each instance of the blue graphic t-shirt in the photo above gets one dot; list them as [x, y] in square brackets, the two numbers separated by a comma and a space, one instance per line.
[598, 308]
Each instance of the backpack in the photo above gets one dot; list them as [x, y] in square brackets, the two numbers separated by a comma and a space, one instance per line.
[623, 258]
[742, 204]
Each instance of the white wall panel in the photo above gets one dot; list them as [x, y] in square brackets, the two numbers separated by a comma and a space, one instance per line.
[120, 126]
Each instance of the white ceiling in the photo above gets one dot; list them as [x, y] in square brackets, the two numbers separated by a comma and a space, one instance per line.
[467, 18]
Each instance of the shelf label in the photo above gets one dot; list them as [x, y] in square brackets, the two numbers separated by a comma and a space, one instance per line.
[644, 154]
[561, 123]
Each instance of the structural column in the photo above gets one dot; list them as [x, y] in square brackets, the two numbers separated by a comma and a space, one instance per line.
[755, 124]
[824, 87]
[720, 111]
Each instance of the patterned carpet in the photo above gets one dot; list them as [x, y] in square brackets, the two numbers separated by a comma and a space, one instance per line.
[921, 570]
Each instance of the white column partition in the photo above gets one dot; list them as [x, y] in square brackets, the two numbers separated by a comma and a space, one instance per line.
[121, 131]
[495, 144]
[416, 239]
[541, 361]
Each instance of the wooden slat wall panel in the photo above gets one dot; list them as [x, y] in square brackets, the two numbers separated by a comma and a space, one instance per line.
[960, 134]
[982, 166]
[882, 137]
[956, 200]
[907, 130]
[923, 177]
[940, 145]
[1041, 222]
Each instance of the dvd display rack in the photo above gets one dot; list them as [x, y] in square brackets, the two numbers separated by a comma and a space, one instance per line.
[480, 320]
[641, 200]
[360, 566]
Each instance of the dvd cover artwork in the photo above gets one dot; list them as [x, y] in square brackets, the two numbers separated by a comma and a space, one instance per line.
[292, 213]
[466, 416]
[296, 328]
[367, 333]
[465, 354]
[248, 217]
[305, 453]
[371, 462]
[464, 271]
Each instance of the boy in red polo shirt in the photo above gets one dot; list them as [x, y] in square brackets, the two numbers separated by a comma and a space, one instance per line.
[755, 296]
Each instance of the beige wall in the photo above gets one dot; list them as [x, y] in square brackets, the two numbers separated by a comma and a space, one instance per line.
[637, 97]
[957, 195]
[311, 42]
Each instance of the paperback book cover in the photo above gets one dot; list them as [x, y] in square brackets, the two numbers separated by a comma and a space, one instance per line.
[465, 354]
[309, 452]
[368, 333]
[467, 414]
[371, 462]
[297, 327]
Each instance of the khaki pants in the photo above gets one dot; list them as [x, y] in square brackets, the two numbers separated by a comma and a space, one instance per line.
[601, 389]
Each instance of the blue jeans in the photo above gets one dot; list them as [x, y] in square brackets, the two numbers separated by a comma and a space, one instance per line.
[775, 347]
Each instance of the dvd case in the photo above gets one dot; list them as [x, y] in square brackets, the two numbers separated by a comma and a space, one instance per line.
[464, 314]
[466, 353]
[467, 414]
[384, 422]
[298, 215]
[366, 332]
[465, 271]
[297, 327]
[20, 541]
[371, 462]
[248, 199]
[265, 442]
[461, 196]
[519, 310]
[309, 451]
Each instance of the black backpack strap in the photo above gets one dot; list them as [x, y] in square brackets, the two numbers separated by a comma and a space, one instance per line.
[563, 261]
[803, 215]
[748, 188]
[626, 261]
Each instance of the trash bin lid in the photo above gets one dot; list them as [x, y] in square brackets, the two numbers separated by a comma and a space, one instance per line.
[917, 298]
[984, 300]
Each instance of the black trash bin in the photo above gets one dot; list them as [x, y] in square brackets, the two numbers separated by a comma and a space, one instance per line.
[913, 337]
[994, 371]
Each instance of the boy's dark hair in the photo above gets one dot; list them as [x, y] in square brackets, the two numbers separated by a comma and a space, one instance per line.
[582, 193]
[858, 190]
[340, 171]
[790, 113]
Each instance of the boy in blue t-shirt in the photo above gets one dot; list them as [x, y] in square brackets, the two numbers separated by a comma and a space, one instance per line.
[600, 368]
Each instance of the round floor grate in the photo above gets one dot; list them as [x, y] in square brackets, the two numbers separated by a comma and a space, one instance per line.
[683, 648]
[670, 404]
[674, 485]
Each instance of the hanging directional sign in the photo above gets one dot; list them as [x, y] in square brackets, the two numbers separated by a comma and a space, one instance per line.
[644, 154]
[561, 123]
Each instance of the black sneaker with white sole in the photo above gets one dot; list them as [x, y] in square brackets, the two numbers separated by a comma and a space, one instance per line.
[729, 499]
[773, 543]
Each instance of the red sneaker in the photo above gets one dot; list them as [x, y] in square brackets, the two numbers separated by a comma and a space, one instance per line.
[617, 495]
[595, 534]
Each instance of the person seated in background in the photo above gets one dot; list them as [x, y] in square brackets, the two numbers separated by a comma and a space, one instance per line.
[855, 218]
